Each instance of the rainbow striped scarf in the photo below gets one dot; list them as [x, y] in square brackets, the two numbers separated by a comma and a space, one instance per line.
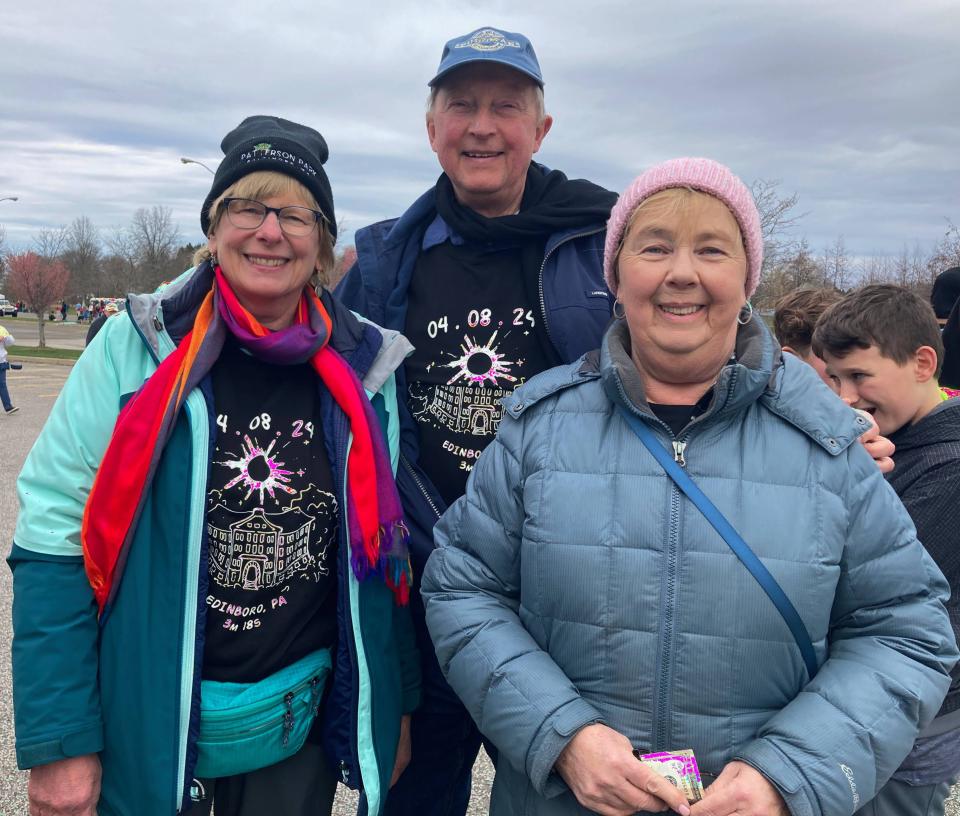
[378, 536]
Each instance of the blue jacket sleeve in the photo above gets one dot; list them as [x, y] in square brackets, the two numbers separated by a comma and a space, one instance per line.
[891, 649]
[515, 692]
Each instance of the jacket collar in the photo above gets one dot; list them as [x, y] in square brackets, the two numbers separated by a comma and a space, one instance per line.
[739, 383]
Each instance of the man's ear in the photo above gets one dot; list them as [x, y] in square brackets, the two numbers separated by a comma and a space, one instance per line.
[925, 363]
[542, 130]
[431, 131]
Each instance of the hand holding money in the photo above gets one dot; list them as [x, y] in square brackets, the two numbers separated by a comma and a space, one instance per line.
[679, 768]
[743, 791]
[599, 767]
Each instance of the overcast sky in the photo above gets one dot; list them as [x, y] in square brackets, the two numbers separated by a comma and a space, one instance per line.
[855, 106]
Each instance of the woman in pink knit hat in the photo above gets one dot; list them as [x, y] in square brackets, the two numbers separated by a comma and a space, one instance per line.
[676, 564]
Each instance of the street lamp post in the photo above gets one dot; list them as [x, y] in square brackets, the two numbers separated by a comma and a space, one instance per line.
[184, 160]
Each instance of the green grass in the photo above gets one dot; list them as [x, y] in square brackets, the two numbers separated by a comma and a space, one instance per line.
[40, 353]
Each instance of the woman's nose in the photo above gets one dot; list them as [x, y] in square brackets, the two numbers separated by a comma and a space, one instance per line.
[682, 269]
[270, 230]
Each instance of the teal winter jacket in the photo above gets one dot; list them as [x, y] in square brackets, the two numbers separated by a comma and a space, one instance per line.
[574, 584]
[127, 687]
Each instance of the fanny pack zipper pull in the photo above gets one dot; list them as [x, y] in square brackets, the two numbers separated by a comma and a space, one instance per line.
[287, 717]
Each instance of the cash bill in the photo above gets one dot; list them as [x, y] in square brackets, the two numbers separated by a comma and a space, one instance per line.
[677, 767]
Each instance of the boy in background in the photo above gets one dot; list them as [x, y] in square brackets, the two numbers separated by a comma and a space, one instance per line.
[793, 323]
[795, 316]
[883, 352]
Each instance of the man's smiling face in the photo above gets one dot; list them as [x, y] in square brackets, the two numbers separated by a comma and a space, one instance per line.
[485, 124]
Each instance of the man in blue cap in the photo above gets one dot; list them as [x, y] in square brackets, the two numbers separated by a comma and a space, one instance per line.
[494, 274]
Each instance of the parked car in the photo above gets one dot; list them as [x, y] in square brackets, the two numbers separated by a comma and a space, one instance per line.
[7, 309]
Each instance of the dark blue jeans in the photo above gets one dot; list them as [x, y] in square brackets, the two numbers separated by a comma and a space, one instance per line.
[4, 394]
[437, 780]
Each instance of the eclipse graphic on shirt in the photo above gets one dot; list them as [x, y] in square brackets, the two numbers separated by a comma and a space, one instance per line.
[480, 364]
[259, 470]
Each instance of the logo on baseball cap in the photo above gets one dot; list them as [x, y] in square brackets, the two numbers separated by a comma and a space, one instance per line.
[489, 45]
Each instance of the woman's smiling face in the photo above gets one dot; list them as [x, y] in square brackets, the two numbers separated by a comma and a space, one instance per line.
[682, 270]
[267, 268]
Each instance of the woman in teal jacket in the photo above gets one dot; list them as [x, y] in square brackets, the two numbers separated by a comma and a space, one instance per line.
[583, 607]
[209, 530]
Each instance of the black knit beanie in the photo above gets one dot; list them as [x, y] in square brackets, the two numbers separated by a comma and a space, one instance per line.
[946, 292]
[272, 143]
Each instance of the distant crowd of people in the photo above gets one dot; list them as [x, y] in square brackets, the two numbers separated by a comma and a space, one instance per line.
[534, 476]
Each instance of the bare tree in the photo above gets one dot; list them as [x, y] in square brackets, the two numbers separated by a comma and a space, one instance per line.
[777, 218]
[875, 269]
[82, 251]
[38, 282]
[155, 241]
[945, 254]
[836, 265]
[50, 243]
[797, 270]
[120, 274]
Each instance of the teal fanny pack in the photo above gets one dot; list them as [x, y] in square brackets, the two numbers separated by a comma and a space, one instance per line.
[247, 726]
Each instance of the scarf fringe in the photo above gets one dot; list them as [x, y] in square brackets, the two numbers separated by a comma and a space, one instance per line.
[390, 561]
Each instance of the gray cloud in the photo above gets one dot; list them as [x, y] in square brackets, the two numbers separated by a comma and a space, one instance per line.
[853, 106]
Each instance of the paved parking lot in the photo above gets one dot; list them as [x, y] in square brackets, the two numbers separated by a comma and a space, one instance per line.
[69, 335]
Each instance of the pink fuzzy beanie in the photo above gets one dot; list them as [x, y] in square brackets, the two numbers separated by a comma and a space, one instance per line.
[704, 175]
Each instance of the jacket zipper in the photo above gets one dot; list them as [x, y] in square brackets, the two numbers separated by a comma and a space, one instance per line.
[416, 479]
[345, 588]
[661, 709]
[543, 302]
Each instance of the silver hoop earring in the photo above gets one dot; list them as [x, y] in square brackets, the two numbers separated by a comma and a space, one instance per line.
[746, 309]
[622, 313]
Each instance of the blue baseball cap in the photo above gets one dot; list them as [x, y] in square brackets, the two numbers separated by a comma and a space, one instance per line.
[489, 45]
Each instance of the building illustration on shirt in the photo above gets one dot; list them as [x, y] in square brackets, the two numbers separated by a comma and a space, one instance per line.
[258, 550]
[467, 409]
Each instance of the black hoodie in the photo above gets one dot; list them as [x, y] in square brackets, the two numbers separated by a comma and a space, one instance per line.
[927, 480]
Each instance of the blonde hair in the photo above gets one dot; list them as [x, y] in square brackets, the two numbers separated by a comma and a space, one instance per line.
[267, 184]
[665, 203]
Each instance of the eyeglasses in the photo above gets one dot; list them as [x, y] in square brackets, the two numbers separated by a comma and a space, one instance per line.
[247, 214]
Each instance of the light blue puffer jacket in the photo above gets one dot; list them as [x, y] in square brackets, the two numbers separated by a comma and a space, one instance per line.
[575, 584]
